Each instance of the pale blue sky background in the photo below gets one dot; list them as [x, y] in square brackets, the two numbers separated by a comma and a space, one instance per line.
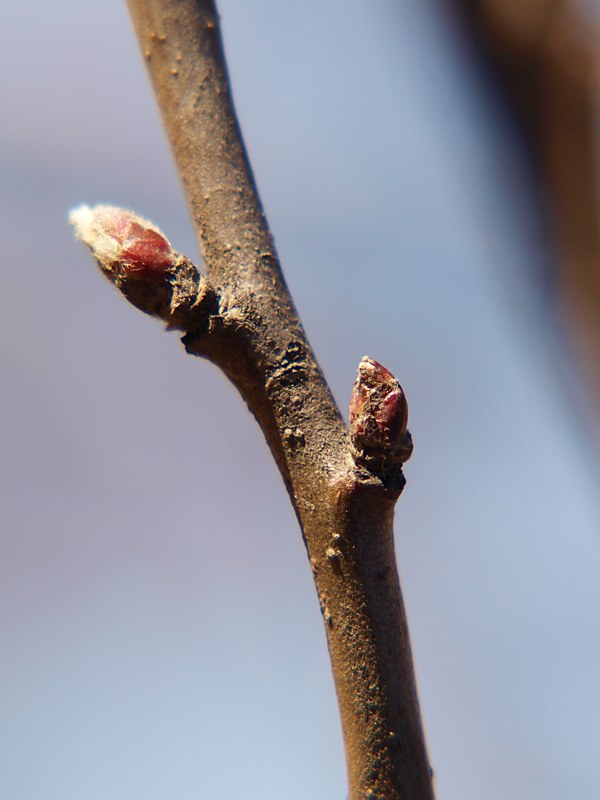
[160, 633]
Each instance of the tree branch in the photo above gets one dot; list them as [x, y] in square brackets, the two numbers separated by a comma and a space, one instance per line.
[544, 57]
[240, 316]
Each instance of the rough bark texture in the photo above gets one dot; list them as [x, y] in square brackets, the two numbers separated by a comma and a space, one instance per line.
[247, 325]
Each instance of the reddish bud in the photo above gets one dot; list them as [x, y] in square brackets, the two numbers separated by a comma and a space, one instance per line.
[123, 244]
[378, 412]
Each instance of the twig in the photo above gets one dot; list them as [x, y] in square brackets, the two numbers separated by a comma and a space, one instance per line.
[240, 316]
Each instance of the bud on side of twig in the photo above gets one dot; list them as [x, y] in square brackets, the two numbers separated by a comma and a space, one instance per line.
[138, 258]
[123, 243]
[378, 420]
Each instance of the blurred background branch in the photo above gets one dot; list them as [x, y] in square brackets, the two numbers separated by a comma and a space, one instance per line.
[544, 57]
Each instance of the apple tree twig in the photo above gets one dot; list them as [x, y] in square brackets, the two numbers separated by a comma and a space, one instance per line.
[239, 315]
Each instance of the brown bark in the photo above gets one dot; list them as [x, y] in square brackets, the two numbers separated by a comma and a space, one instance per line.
[246, 324]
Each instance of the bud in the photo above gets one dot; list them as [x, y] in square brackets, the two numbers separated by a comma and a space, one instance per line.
[123, 244]
[378, 415]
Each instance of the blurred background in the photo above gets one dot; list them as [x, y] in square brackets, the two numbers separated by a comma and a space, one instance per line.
[160, 633]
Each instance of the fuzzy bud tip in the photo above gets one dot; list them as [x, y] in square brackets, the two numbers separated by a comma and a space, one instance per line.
[123, 243]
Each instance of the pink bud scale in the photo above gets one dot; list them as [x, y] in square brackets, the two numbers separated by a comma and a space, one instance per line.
[378, 415]
[123, 243]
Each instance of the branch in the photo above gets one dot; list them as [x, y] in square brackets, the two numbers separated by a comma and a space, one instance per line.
[544, 57]
[343, 485]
